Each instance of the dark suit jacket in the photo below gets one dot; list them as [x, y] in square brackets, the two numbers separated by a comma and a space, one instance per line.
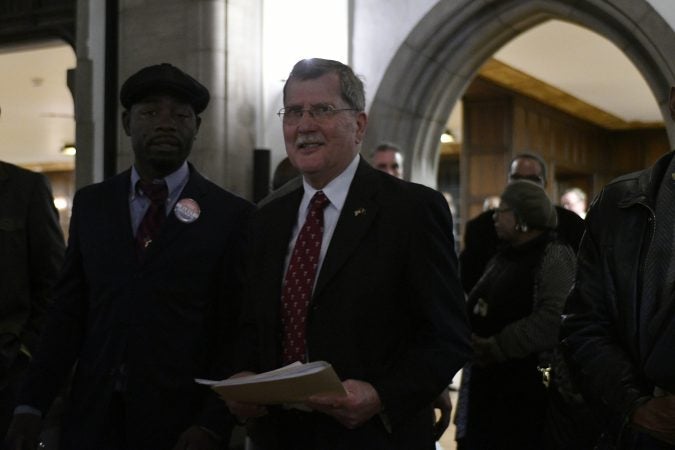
[31, 253]
[481, 242]
[167, 319]
[387, 308]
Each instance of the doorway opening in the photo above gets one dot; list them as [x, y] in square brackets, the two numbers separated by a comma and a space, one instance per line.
[37, 122]
[443, 55]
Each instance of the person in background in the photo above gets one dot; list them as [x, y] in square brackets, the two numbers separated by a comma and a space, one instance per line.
[378, 297]
[31, 255]
[491, 202]
[480, 240]
[619, 326]
[514, 311]
[284, 173]
[575, 200]
[388, 158]
[146, 301]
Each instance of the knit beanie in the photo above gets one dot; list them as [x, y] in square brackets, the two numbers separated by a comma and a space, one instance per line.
[530, 204]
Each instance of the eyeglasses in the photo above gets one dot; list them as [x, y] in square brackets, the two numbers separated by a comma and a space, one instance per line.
[502, 210]
[536, 178]
[320, 113]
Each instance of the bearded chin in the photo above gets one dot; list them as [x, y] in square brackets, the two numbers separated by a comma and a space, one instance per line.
[168, 164]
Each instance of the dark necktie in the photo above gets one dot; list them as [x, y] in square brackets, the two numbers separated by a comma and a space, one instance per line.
[299, 281]
[154, 216]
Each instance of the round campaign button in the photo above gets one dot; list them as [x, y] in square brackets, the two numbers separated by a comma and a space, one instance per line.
[187, 210]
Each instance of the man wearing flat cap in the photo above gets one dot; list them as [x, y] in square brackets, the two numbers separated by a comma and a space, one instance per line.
[146, 299]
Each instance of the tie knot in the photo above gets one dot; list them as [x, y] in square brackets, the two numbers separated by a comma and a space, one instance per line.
[319, 201]
[156, 192]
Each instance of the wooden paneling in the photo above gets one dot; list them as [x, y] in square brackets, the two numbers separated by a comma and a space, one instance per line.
[487, 175]
[487, 125]
[557, 136]
[656, 144]
[499, 124]
[486, 146]
[520, 82]
[636, 149]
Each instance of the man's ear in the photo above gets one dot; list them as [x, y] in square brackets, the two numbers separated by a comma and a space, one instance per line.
[672, 102]
[199, 122]
[126, 119]
[361, 123]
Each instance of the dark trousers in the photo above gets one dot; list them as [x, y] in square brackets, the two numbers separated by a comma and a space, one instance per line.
[569, 426]
[113, 436]
[115, 432]
[290, 430]
[646, 442]
[10, 390]
[296, 430]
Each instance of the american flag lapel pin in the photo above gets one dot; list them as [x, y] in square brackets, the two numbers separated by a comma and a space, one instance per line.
[359, 212]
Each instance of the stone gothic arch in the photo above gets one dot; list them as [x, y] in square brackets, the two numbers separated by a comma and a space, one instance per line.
[443, 53]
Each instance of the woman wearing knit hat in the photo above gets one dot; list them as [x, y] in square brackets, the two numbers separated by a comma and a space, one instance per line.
[531, 213]
[515, 313]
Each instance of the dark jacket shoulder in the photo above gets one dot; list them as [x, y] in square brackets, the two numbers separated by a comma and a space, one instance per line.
[19, 175]
[639, 186]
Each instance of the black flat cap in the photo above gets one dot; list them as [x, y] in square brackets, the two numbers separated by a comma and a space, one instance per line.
[164, 79]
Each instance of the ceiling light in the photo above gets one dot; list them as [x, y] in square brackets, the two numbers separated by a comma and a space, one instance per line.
[447, 137]
[61, 203]
[68, 149]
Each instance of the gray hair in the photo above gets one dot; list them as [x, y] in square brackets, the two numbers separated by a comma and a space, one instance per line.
[385, 146]
[351, 87]
[578, 192]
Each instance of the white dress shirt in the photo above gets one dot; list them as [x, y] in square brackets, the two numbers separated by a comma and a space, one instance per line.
[336, 192]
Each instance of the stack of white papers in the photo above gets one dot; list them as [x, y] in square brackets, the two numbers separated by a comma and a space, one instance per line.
[289, 384]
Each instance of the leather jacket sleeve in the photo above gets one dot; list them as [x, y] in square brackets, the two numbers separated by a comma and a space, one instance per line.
[599, 349]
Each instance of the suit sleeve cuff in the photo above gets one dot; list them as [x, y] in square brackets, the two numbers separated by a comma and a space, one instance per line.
[27, 409]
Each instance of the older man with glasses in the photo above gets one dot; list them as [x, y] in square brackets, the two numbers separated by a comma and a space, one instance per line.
[356, 268]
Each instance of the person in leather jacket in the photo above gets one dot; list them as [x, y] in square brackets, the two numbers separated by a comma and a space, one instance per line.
[619, 324]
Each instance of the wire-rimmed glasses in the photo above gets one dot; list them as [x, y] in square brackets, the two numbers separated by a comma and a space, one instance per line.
[320, 112]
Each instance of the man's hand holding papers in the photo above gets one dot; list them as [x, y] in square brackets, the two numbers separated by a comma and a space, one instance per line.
[360, 404]
[243, 411]
[246, 393]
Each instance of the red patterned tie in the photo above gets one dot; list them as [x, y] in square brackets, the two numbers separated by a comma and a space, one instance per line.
[299, 281]
[154, 216]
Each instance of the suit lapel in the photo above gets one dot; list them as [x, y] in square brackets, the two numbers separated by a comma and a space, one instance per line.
[283, 215]
[358, 213]
[120, 222]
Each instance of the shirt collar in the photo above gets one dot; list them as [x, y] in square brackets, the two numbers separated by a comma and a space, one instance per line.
[336, 190]
[174, 181]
